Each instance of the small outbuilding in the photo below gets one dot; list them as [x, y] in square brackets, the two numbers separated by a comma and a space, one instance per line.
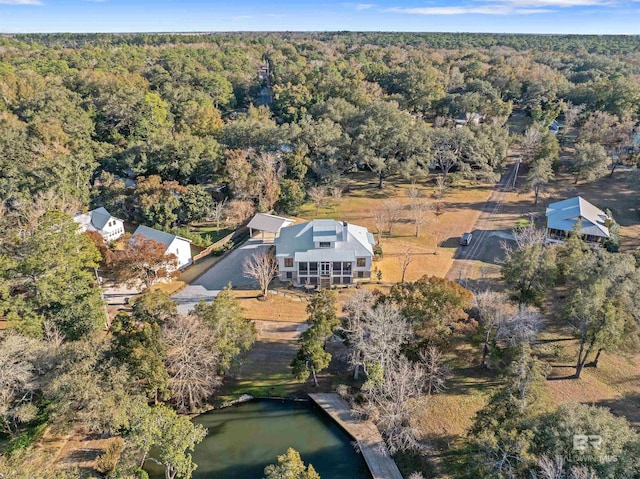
[177, 245]
[269, 223]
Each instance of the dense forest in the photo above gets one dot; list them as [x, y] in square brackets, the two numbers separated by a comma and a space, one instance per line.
[81, 114]
[150, 125]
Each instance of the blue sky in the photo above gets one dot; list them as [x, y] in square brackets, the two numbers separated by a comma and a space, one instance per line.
[509, 16]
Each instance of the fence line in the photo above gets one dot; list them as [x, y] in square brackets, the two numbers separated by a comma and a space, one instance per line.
[233, 236]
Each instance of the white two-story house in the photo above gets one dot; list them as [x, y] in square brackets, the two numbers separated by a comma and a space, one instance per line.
[324, 252]
[100, 220]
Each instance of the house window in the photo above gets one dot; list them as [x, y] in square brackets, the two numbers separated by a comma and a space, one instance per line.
[361, 262]
[360, 274]
[313, 267]
[336, 280]
[289, 275]
[325, 244]
[303, 267]
[288, 262]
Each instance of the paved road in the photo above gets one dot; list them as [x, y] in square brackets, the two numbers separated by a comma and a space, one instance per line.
[265, 96]
[227, 270]
[486, 240]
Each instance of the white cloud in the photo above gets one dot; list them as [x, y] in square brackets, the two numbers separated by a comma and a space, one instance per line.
[503, 7]
[21, 2]
[364, 6]
[553, 3]
[467, 10]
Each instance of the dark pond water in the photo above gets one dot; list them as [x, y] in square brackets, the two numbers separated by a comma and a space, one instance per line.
[244, 439]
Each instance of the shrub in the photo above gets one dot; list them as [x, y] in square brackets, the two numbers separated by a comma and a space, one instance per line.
[107, 462]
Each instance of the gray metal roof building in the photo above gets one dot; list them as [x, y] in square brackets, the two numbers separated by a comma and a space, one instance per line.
[348, 241]
[564, 215]
[269, 223]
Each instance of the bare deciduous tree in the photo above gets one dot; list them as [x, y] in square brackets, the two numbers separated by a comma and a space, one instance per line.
[18, 381]
[438, 239]
[217, 212]
[438, 209]
[439, 122]
[237, 212]
[392, 212]
[52, 333]
[441, 186]
[392, 398]
[531, 143]
[318, 196]
[521, 327]
[336, 194]
[414, 192]
[192, 361]
[375, 333]
[436, 372]
[555, 468]
[572, 114]
[263, 267]
[379, 220]
[492, 310]
[529, 234]
[405, 260]
[419, 211]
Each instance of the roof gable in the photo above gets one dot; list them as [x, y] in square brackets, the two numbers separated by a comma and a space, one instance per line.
[268, 223]
[95, 220]
[563, 215]
[344, 236]
[157, 235]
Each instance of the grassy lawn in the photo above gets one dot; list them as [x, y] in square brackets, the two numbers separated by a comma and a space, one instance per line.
[462, 208]
[264, 371]
[209, 232]
[276, 308]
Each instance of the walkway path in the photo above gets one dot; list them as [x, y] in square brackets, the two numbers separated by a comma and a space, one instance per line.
[375, 452]
[228, 270]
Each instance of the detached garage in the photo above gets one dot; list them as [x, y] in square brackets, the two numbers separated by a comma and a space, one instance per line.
[268, 223]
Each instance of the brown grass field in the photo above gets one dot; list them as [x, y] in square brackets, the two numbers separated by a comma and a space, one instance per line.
[462, 208]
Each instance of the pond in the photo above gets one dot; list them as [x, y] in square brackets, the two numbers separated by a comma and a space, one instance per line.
[245, 438]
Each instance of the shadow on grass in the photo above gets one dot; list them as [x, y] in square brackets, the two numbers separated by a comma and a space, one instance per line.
[627, 406]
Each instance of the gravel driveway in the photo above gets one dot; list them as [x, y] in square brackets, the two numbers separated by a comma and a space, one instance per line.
[227, 270]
